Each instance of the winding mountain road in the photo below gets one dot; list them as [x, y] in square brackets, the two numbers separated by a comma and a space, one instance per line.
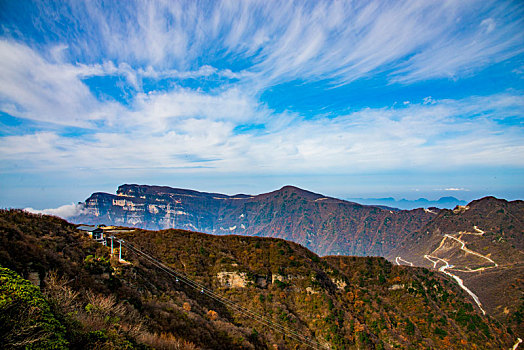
[456, 278]
[398, 259]
[463, 247]
[517, 344]
[435, 260]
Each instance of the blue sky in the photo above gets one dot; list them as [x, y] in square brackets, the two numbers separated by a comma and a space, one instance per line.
[348, 98]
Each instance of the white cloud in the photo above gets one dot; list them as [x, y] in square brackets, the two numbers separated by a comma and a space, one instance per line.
[65, 211]
[33, 88]
[160, 107]
[448, 134]
[463, 45]
[488, 24]
[428, 100]
[279, 41]
[273, 42]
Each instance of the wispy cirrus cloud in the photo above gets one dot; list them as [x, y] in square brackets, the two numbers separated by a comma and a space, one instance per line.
[279, 41]
[271, 43]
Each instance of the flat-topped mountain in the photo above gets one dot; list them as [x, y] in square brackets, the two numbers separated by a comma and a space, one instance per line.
[326, 225]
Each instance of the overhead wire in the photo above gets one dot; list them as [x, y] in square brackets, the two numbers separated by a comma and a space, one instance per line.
[207, 291]
[249, 313]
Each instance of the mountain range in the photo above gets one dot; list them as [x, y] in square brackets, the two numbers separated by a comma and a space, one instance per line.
[489, 265]
[406, 204]
[326, 225]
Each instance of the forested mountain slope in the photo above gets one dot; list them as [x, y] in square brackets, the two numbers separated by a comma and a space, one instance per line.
[340, 302]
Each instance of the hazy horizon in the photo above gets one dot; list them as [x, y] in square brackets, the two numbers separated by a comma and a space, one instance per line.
[445, 202]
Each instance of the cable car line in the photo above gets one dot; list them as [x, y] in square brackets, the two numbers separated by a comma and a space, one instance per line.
[206, 291]
[245, 311]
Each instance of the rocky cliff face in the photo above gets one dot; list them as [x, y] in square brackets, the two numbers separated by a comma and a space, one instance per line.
[156, 207]
[326, 225]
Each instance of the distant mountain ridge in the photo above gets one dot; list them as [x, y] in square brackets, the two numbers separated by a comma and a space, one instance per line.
[326, 225]
[406, 204]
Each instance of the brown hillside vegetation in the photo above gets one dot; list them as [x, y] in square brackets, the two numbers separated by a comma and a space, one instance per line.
[342, 302]
[493, 264]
